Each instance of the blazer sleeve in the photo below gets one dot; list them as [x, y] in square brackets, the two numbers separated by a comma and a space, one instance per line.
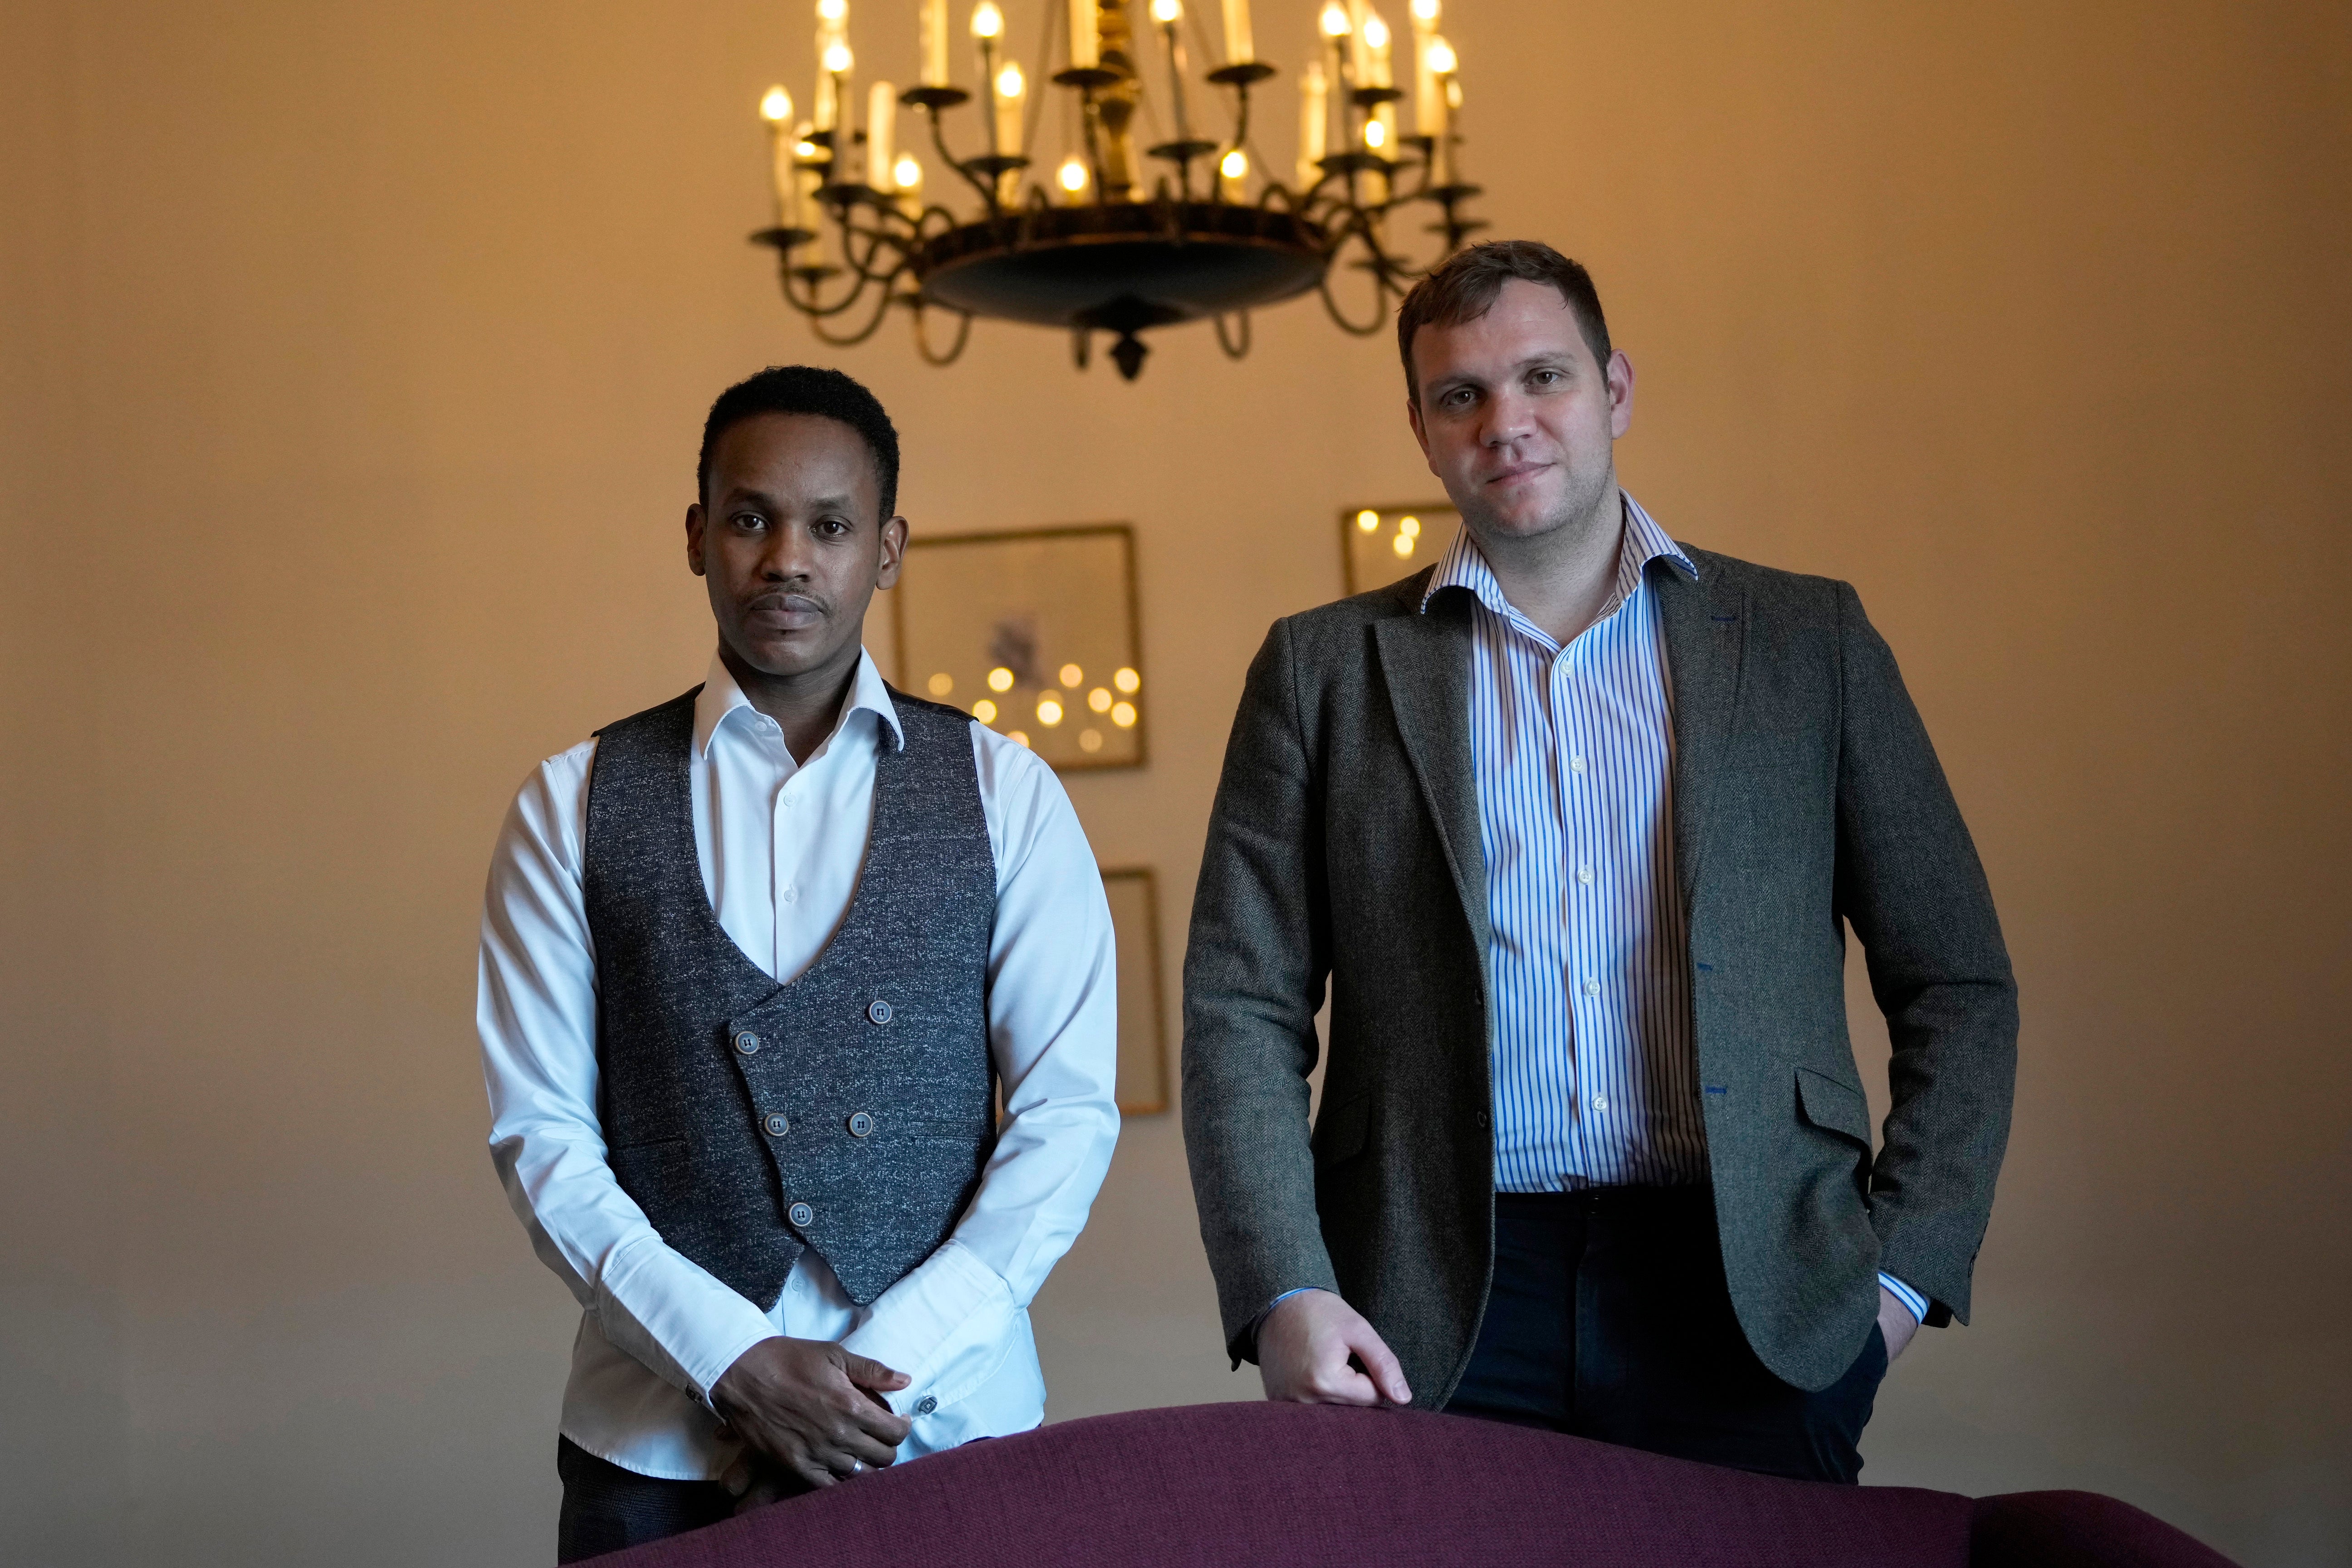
[1255, 970]
[1909, 882]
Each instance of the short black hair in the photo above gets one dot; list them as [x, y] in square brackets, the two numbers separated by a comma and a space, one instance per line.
[806, 389]
[1463, 288]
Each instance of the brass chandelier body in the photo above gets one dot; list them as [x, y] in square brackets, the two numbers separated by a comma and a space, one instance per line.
[1128, 244]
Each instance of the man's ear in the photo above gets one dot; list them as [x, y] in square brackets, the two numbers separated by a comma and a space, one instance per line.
[694, 539]
[894, 553]
[1621, 395]
[1420, 434]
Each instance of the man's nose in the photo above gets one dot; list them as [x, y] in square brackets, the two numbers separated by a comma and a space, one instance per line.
[786, 555]
[1507, 418]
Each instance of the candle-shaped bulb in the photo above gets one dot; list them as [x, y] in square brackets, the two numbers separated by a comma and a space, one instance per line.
[1166, 11]
[1086, 36]
[987, 21]
[1009, 88]
[1376, 135]
[1241, 49]
[776, 109]
[1440, 57]
[934, 35]
[1335, 20]
[1073, 176]
[1235, 166]
[1314, 121]
[881, 134]
[837, 58]
[1373, 62]
[832, 13]
[907, 173]
[1425, 14]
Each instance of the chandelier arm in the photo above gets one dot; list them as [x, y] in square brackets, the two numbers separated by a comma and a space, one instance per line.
[1232, 349]
[876, 237]
[955, 350]
[813, 307]
[1241, 121]
[873, 323]
[1358, 229]
[940, 140]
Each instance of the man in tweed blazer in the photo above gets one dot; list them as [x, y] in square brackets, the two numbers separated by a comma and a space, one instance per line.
[1573, 824]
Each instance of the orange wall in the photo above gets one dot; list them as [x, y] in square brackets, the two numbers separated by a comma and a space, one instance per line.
[353, 359]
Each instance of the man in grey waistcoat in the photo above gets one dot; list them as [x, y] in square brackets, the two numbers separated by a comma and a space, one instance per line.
[1573, 824]
[758, 966]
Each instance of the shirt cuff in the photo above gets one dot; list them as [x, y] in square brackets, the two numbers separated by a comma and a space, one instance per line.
[1912, 1303]
[668, 1312]
[938, 1325]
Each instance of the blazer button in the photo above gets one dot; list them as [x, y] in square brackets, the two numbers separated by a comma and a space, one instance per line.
[747, 1042]
[776, 1124]
[879, 1012]
[800, 1214]
[860, 1124]
[925, 1404]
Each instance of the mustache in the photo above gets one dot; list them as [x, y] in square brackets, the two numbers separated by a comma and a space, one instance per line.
[788, 599]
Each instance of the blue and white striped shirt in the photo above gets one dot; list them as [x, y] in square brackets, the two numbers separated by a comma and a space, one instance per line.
[1595, 1066]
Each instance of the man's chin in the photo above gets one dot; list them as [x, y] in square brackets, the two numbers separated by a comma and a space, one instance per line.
[786, 658]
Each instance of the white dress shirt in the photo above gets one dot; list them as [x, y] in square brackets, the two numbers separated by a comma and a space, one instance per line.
[781, 846]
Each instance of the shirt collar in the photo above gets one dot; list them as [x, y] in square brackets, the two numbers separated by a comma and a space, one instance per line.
[1465, 566]
[722, 700]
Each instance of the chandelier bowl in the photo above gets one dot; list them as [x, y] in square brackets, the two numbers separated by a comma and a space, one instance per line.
[1121, 266]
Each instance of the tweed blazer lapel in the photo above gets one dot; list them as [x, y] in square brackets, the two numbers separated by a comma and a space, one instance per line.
[1424, 658]
[1706, 627]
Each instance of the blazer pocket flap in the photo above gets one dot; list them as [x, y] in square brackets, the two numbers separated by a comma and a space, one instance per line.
[1341, 1130]
[1832, 1107]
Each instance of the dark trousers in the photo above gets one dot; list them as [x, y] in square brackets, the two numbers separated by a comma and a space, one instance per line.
[606, 1508]
[1609, 1318]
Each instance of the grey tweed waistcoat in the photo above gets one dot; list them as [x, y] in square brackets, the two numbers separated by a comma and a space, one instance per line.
[850, 1110]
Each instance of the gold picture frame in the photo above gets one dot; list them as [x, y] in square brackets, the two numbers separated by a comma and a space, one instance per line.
[1035, 632]
[1134, 896]
[1370, 558]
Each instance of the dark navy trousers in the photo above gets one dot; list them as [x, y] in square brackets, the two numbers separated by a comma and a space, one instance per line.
[606, 1508]
[1609, 1318]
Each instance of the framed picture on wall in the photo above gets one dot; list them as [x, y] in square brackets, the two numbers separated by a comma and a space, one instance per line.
[1031, 632]
[1381, 544]
[1143, 1015]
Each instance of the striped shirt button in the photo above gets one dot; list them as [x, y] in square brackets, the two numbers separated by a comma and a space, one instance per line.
[1592, 986]
[1584, 875]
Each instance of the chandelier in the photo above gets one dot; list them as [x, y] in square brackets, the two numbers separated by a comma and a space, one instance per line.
[1113, 244]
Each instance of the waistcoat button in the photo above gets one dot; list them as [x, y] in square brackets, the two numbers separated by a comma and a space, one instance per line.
[860, 1124]
[776, 1124]
[879, 1012]
[747, 1042]
[925, 1404]
[800, 1214]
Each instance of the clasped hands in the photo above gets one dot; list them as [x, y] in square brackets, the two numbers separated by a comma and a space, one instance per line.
[1315, 1349]
[809, 1413]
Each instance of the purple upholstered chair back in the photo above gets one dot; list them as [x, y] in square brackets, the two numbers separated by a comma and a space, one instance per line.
[1293, 1487]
